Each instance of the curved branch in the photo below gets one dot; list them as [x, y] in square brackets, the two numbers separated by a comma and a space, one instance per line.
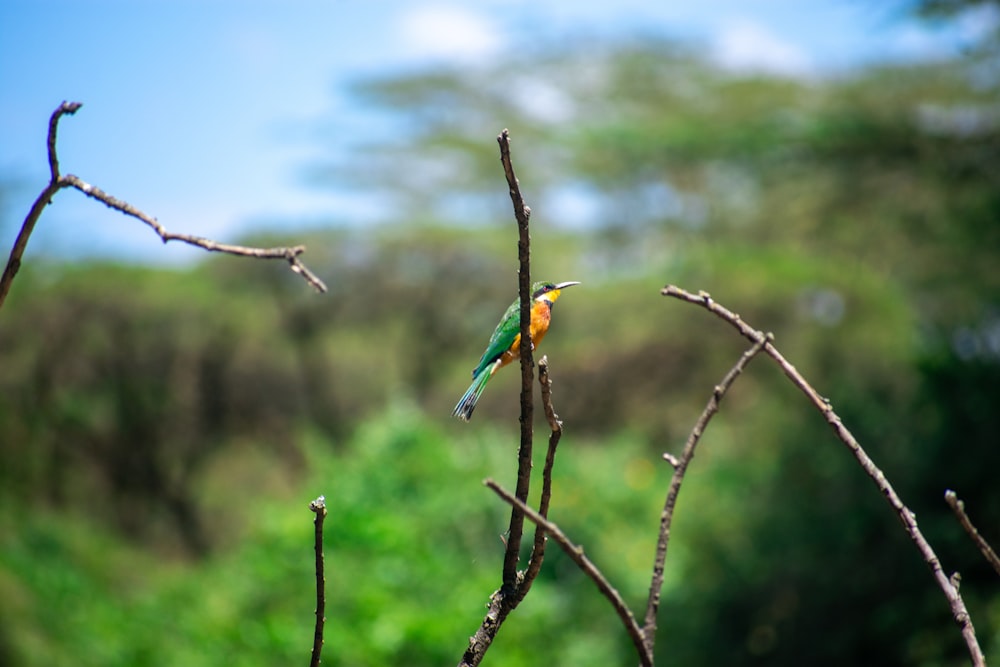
[57, 182]
[906, 516]
[43, 200]
[680, 468]
[64, 109]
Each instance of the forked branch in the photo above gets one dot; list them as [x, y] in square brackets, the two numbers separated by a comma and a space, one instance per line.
[575, 552]
[57, 182]
[908, 519]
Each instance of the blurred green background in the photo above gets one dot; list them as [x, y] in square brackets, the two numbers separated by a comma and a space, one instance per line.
[162, 431]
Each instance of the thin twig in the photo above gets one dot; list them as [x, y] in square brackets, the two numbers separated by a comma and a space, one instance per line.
[538, 549]
[680, 468]
[908, 519]
[58, 182]
[575, 552]
[523, 214]
[318, 507]
[291, 254]
[64, 109]
[958, 507]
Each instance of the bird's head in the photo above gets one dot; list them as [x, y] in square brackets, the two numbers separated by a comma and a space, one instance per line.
[549, 291]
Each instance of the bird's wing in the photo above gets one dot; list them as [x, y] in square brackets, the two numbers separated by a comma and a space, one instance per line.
[503, 337]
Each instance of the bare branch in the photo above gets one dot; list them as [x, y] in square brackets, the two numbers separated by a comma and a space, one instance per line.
[575, 552]
[21, 242]
[908, 519]
[290, 254]
[515, 584]
[66, 108]
[680, 468]
[318, 507]
[523, 214]
[496, 613]
[538, 549]
[43, 200]
[57, 182]
[958, 507]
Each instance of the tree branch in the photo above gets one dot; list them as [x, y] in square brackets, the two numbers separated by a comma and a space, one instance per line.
[43, 200]
[291, 254]
[538, 548]
[66, 108]
[57, 182]
[318, 507]
[908, 519]
[523, 214]
[514, 585]
[680, 468]
[575, 552]
[958, 507]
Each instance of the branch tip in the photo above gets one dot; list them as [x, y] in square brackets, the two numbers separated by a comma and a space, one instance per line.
[958, 507]
[318, 505]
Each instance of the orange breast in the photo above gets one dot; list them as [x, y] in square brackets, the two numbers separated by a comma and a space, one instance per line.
[541, 315]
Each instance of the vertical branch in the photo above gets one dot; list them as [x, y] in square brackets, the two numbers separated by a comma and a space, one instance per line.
[958, 609]
[515, 585]
[43, 200]
[680, 468]
[66, 108]
[513, 588]
[522, 213]
[538, 548]
[318, 507]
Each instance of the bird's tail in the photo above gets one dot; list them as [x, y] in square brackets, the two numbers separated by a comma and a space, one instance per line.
[463, 410]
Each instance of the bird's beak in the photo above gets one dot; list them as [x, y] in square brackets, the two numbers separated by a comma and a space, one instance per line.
[567, 284]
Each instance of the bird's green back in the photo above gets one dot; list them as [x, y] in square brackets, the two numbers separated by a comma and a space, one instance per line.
[502, 338]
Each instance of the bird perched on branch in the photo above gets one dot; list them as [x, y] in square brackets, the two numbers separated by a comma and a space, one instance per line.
[505, 343]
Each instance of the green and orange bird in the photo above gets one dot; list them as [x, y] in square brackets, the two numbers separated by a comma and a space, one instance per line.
[505, 343]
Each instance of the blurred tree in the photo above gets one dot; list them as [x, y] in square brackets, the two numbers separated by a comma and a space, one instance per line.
[854, 216]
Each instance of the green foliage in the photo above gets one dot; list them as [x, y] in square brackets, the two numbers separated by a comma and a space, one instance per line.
[413, 550]
[161, 432]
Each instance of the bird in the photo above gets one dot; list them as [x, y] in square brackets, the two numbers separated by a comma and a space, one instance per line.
[505, 343]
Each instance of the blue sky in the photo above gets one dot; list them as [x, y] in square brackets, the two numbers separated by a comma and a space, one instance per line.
[205, 113]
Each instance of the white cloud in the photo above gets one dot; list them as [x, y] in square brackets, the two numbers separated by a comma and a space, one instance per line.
[443, 32]
[749, 46]
[541, 99]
